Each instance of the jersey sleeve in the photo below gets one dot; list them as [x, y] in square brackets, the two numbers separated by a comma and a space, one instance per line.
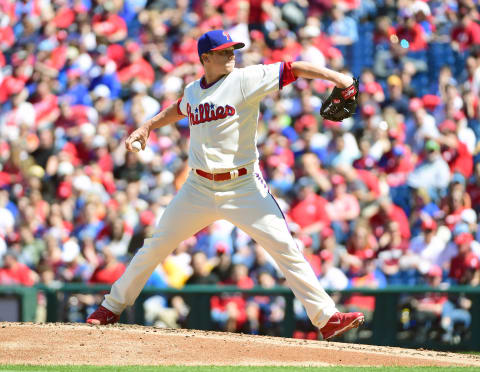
[259, 80]
[182, 106]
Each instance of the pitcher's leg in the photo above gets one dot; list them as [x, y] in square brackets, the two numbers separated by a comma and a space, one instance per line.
[260, 217]
[190, 211]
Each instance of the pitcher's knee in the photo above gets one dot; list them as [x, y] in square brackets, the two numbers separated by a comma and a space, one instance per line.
[286, 250]
[292, 247]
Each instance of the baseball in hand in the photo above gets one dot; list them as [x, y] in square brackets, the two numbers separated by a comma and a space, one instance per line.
[136, 146]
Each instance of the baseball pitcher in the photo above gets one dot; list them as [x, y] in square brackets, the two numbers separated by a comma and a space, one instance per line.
[225, 182]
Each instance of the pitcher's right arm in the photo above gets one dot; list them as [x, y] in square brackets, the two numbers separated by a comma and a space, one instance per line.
[168, 116]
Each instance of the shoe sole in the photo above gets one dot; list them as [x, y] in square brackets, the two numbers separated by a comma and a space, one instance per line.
[98, 322]
[357, 322]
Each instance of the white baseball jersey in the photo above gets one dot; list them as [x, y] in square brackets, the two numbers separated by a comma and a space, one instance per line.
[223, 116]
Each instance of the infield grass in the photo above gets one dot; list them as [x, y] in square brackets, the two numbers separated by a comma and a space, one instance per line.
[21, 368]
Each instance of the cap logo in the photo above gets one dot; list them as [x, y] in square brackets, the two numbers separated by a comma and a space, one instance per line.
[227, 35]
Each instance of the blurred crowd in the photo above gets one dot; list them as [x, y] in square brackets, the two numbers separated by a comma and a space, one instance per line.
[388, 197]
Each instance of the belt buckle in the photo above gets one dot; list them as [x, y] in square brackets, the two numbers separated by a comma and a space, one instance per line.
[234, 174]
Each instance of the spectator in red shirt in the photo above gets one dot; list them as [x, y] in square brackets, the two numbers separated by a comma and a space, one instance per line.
[229, 310]
[412, 32]
[364, 184]
[290, 51]
[397, 163]
[454, 151]
[64, 17]
[369, 276]
[45, 104]
[465, 260]
[16, 273]
[259, 12]
[372, 90]
[465, 34]
[210, 17]
[278, 148]
[72, 117]
[456, 201]
[388, 211]
[137, 68]
[343, 209]
[7, 37]
[309, 212]
[361, 245]
[109, 271]
[309, 254]
[12, 84]
[109, 25]
[185, 50]
[58, 56]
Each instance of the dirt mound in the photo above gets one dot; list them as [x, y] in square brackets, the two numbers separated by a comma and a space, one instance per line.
[59, 343]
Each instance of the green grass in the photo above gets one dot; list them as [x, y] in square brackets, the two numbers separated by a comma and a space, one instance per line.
[21, 368]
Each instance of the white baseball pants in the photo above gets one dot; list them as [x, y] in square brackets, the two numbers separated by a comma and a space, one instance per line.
[246, 203]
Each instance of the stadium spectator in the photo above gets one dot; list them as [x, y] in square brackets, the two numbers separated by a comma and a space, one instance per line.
[14, 272]
[108, 271]
[229, 310]
[265, 314]
[388, 211]
[309, 211]
[343, 29]
[343, 209]
[464, 261]
[466, 34]
[201, 272]
[331, 277]
[432, 174]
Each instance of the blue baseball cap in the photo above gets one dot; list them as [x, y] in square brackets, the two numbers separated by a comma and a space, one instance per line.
[216, 40]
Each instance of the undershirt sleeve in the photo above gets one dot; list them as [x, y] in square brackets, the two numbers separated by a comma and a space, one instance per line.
[286, 75]
[181, 106]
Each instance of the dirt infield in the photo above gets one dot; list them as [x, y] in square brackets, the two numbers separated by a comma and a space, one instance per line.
[59, 343]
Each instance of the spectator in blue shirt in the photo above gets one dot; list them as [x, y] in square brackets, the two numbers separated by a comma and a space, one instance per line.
[77, 92]
[433, 173]
[343, 29]
[107, 77]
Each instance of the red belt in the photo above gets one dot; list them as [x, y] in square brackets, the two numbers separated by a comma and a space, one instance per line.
[222, 176]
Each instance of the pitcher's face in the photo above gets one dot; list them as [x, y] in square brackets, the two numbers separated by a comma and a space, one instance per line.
[222, 61]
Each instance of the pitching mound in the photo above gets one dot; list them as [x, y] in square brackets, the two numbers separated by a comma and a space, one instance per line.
[59, 343]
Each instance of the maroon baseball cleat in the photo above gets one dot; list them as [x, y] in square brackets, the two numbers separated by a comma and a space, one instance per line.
[102, 316]
[339, 323]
